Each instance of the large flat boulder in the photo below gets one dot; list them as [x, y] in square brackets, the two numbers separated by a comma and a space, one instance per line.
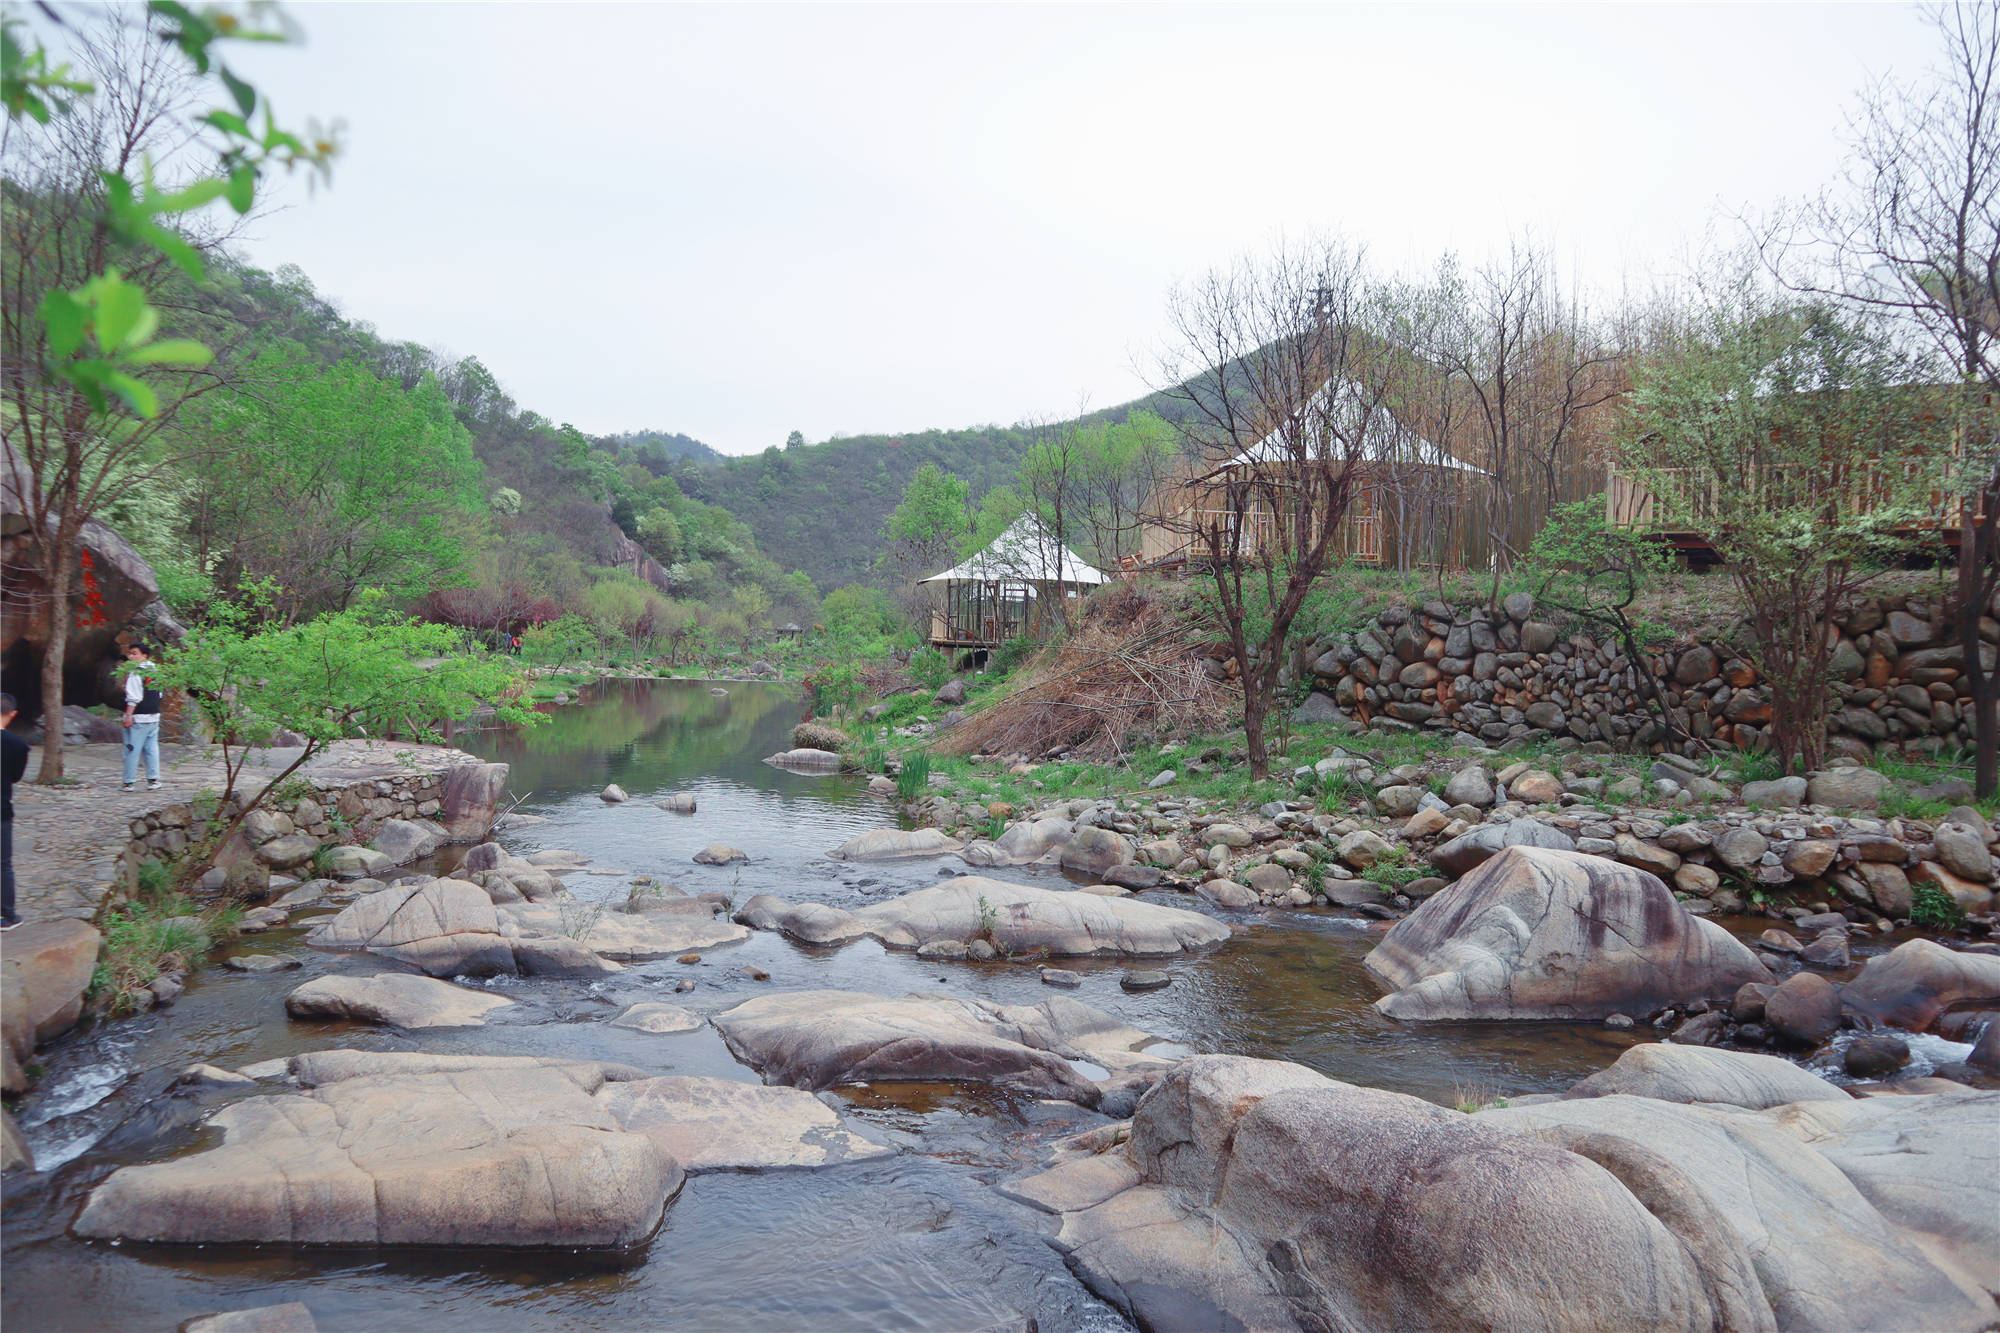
[1917, 981]
[310, 1069]
[45, 968]
[1535, 933]
[826, 1038]
[1017, 918]
[512, 1156]
[452, 928]
[1704, 1074]
[626, 936]
[805, 760]
[714, 1124]
[892, 844]
[1875, 1213]
[407, 913]
[393, 999]
[1257, 1194]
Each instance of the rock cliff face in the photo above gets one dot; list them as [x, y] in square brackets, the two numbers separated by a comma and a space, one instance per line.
[117, 593]
[1508, 675]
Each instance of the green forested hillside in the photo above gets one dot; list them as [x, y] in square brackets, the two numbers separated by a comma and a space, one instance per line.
[326, 459]
[821, 507]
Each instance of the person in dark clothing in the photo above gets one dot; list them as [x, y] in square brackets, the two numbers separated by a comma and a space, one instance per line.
[13, 767]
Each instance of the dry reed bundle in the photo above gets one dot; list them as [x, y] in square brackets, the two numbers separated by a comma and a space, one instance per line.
[1133, 664]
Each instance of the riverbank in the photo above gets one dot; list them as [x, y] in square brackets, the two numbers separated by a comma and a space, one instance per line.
[925, 1236]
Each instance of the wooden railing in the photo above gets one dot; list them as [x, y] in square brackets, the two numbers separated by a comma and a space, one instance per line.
[1629, 504]
[1182, 536]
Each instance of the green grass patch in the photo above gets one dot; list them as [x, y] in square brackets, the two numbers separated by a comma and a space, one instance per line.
[158, 932]
[1934, 909]
[1393, 872]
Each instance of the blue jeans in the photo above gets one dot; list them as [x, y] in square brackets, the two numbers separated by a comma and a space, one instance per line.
[143, 737]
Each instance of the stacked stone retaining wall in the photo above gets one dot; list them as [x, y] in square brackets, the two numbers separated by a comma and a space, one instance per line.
[1512, 675]
[451, 797]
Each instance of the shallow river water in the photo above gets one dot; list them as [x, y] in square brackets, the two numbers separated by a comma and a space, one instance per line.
[916, 1241]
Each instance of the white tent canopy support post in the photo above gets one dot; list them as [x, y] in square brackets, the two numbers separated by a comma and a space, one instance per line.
[1000, 593]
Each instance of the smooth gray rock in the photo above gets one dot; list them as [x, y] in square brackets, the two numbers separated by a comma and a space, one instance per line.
[1535, 933]
[890, 844]
[823, 1039]
[404, 841]
[1674, 1073]
[1255, 1194]
[1475, 846]
[1022, 919]
[395, 999]
[1917, 981]
[806, 761]
[510, 1156]
[715, 1124]
[290, 1317]
[1873, 1213]
[1776, 792]
[660, 1019]
[1847, 788]
[1471, 785]
[1963, 852]
[1024, 842]
[1095, 850]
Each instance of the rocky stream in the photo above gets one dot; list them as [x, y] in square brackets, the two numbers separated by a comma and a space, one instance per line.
[547, 1084]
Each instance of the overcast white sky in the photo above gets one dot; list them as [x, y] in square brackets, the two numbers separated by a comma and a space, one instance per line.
[739, 221]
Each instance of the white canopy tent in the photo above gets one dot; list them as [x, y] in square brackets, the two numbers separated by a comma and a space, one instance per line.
[1384, 439]
[992, 596]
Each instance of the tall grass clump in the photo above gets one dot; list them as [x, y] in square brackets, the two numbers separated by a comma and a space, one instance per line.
[914, 778]
[157, 933]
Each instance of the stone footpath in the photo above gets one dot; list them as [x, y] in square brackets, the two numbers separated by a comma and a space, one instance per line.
[69, 841]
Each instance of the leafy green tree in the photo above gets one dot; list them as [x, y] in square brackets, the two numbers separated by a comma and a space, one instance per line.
[93, 370]
[1089, 483]
[934, 514]
[362, 671]
[1583, 565]
[1785, 433]
[753, 604]
[359, 482]
[660, 534]
[858, 615]
[795, 441]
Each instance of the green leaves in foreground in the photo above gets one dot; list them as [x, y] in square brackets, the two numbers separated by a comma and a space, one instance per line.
[362, 671]
[102, 332]
[100, 335]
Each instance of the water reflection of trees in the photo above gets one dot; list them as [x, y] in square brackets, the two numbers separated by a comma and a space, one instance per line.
[645, 735]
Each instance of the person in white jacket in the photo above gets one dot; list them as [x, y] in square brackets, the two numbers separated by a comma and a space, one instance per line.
[142, 718]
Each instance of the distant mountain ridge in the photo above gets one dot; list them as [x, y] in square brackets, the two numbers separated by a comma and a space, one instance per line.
[821, 507]
[669, 445]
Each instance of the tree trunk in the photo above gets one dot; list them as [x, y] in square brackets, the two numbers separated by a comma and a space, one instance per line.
[1256, 703]
[1975, 553]
[61, 571]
